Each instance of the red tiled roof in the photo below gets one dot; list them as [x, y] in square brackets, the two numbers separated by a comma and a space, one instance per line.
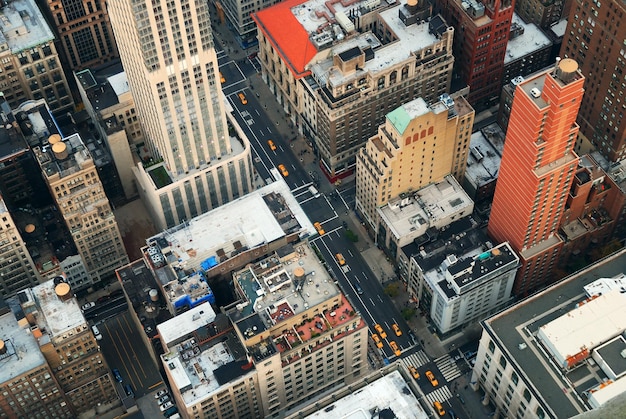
[287, 35]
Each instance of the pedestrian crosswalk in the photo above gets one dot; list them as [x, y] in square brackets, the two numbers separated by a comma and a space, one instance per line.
[448, 367]
[417, 359]
[440, 394]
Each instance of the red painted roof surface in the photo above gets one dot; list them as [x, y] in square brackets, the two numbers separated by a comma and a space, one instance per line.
[287, 35]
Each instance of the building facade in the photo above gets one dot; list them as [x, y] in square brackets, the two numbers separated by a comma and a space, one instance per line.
[553, 355]
[18, 270]
[73, 181]
[239, 16]
[595, 39]
[350, 69]
[482, 33]
[418, 145]
[536, 172]
[200, 159]
[468, 287]
[541, 13]
[28, 385]
[30, 64]
[84, 29]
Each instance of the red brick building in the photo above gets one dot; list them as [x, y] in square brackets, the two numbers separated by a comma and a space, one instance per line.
[481, 35]
[536, 173]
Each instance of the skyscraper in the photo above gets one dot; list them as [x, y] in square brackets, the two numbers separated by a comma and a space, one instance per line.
[481, 34]
[198, 162]
[538, 165]
[595, 38]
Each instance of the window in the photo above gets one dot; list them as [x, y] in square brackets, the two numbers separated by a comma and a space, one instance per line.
[514, 378]
[526, 395]
[492, 346]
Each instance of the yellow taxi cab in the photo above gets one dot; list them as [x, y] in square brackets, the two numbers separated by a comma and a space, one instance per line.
[242, 98]
[439, 408]
[222, 78]
[414, 372]
[396, 329]
[318, 227]
[271, 144]
[394, 347]
[377, 341]
[431, 378]
[283, 170]
[380, 331]
[341, 260]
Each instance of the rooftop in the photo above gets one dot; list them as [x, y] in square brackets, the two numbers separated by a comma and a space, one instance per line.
[431, 206]
[530, 40]
[23, 353]
[23, 26]
[460, 273]
[58, 315]
[63, 158]
[12, 141]
[256, 219]
[560, 27]
[104, 85]
[390, 394]
[198, 369]
[177, 328]
[485, 156]
[514, 331]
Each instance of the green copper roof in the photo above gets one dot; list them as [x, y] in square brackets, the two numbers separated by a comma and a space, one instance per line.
[399, 118]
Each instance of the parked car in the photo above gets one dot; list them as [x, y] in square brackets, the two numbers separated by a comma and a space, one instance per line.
[129, 390]
[160, 394]
[117, 375]
[164, 399]
[166, 406]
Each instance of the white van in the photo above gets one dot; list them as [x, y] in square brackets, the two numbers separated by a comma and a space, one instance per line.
[314, 191]
[96, 332]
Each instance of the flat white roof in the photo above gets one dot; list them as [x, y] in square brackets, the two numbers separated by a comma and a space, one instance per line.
[531, 40]
[559, 27]
[586, 326]
[603, 395]
[59, 316]
[20, 342]
[387, 392]
[429, 207]
[23, 25]
[248, 220]
[119, 83]
[194, 375]
[604, 285]
[186, 323]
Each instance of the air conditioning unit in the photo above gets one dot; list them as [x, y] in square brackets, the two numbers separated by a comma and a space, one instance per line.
[535, 92]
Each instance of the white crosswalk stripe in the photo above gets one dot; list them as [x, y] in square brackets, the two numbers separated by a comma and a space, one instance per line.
[417, 359]
[441, 395]
[448, 367]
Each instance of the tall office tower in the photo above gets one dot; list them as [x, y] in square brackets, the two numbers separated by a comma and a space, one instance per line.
[30, 65]
[28, 385]
[418, 145]
[72, 177]
[338, 72]
[168, 54]
[537, 169]
[482, 33]
[84, 30]
[595, 38]
[68, 344]
[239, 15]
[18, 270]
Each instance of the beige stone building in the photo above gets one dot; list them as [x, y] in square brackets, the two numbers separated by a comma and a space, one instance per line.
[291, 335]
[28, 386]
[199, 158]
[338, 70]
[30, 68]
[418, 145]
[73, 180]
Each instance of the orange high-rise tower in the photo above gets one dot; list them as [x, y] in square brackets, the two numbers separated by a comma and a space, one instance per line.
[538, 165]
